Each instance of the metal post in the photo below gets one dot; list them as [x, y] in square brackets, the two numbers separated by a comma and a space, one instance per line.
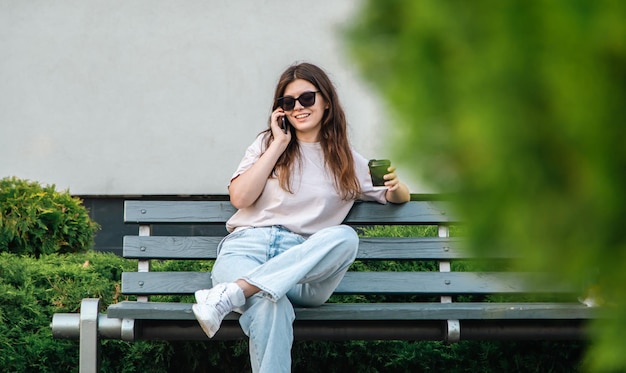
[89, 361]
[144, 265]
[453, 327]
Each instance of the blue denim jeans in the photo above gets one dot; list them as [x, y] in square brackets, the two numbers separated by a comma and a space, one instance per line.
[289, 269]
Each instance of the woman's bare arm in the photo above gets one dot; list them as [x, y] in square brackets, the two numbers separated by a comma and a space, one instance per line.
[247, 187]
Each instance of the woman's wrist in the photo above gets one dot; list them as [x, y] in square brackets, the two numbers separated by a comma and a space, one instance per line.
[400, 194]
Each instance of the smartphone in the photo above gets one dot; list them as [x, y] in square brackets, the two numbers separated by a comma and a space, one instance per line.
[284, 124]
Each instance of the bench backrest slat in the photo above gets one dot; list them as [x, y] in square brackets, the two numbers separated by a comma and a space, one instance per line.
[203, 248]
[414, 212]
[177, 211]
[165, 247]
[383, 283]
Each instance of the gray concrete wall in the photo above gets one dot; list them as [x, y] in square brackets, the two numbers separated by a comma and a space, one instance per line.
[159, 97]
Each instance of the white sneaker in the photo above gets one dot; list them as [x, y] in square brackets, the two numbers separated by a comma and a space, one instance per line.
[215, 303]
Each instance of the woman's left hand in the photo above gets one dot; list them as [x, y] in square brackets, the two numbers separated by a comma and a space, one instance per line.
[391, 179]
[397, 192]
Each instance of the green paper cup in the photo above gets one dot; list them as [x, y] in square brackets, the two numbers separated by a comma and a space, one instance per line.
[378, 169]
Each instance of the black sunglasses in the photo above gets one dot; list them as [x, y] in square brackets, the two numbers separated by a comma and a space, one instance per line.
[306, 99]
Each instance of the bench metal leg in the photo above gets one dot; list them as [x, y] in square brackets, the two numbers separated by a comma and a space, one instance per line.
[89, 361]
[453, 334]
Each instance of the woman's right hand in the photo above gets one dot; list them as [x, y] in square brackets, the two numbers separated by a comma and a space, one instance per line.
[276, 126]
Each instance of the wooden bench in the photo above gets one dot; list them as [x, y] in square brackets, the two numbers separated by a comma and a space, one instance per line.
[435, 311]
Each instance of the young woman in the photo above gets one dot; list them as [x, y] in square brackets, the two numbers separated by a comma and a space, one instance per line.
[292, 189]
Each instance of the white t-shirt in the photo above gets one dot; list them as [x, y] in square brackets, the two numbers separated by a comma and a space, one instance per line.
[314, 203]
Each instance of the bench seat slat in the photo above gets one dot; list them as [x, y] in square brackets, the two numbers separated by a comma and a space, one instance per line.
[201, 248]
[414, 212]
[390, 283]
[377, 311]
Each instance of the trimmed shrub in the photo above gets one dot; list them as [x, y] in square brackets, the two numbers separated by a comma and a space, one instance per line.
[36, 220]
[31, 290]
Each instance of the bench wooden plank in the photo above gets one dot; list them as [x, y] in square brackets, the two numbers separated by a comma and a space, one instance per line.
[447, 283]
[420, 248]
[388, 283]
[377, 311]
[164, 247]
[177, 211]
[414, 212]
[202, 248]
[163, 283]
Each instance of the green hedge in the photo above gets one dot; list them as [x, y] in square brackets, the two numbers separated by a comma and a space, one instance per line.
[31, 290]
[36, 219]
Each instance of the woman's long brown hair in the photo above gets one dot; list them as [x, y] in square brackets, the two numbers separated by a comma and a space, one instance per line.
[333, 139]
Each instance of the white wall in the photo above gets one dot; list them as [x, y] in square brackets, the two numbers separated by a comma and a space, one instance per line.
[159, 97]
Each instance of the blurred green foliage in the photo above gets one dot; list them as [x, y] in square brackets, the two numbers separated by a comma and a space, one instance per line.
[37, 219]
[518, 107]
